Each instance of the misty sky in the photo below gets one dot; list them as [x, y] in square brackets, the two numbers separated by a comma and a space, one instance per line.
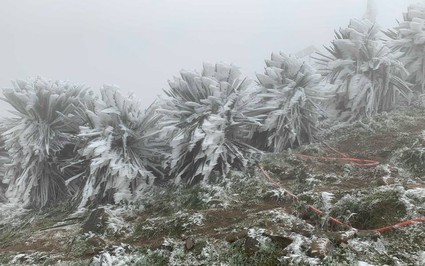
[140, 44]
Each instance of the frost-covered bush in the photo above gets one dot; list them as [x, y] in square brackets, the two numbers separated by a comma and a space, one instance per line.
[207, 118]
[4, 160]
[121, 148]
[367, 75]
[287, 90]
[40, 138]
[408, 40]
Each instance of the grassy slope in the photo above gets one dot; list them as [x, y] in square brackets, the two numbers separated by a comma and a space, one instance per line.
[245, 220]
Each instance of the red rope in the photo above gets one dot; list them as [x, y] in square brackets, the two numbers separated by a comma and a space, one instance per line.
[296, 198]
[344, 157]
[335, 150]
[320, 212]
[355, 161]
[405, 223]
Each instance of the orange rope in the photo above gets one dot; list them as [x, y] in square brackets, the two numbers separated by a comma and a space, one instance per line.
[330, 217]
[355, 161]
[276, 183]
[335, 150]
[405, 223]
[296, 198]
[344, 157]
[320, 212]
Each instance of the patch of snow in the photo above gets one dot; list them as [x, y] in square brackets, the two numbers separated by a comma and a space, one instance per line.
[363, 263]
[417, 194]
[195, 219]
[279, 215]
[258, 234]
[361, 246]
[296, 254]
[119, 256]
[421, 259]
[116, 222]
[9, 212]
[31, 258]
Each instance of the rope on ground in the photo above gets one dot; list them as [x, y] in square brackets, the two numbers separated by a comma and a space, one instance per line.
[356, 161]
[405, 223]
[275, 183]
[320, 212]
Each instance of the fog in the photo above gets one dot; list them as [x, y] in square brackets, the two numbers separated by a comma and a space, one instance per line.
[139, 45]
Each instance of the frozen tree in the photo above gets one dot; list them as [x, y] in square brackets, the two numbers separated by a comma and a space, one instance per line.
[371, 11]
[408, 40]
[207, 119]
[121, 148]
[367, 76]
[40, 138]
[287, 90]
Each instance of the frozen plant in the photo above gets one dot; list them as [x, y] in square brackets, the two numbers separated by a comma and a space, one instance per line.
[408, 41]
[207, 120]
[40, 138]
[121, 146]
[288, 89]
[367, 75]
[4, 160]
[326, 198]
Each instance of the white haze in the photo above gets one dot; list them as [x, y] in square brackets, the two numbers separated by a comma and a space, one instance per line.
[140, 44]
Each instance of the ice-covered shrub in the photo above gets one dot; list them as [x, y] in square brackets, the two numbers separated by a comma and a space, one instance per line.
[408, 41]
[41, 136]
[121, 148]
[365, 72]
[4, 160]
[287, 90]
[207, 117]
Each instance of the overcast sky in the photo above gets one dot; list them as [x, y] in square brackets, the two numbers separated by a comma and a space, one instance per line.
[140, 44]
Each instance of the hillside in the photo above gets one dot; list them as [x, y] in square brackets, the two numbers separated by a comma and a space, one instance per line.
[248, 219]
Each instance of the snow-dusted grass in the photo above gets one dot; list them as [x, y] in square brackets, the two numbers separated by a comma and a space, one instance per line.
[67, 143]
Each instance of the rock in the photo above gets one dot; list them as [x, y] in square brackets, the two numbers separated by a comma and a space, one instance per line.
[386, 180]
[233, 237]
[251, 246]
[166, 247]
[96, 241]
[189, 243]
[320, 248]
[215, 202]
[97, 222]
[342, 237]
[281, 241]
[2, 193]
[91, 251]
[372, 234]
[96, 244]
[275, 235]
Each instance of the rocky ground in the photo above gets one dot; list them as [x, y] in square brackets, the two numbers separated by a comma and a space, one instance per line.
[248, 219]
